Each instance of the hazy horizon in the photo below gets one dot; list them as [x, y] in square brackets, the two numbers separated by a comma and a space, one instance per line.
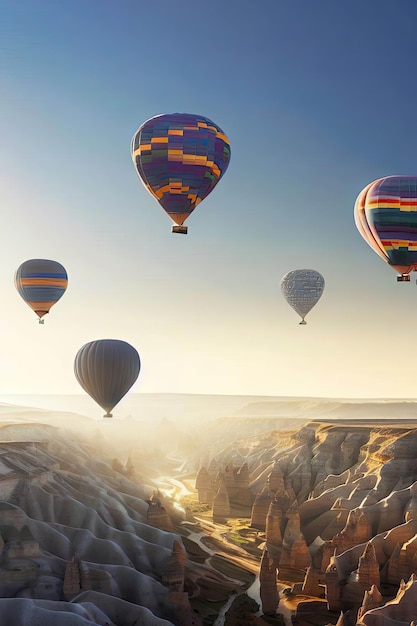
[186, 407]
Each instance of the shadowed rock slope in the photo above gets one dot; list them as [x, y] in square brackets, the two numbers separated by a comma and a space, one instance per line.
[75, 545]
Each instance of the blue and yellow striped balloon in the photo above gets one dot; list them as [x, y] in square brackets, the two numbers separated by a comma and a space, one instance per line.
[41, 283]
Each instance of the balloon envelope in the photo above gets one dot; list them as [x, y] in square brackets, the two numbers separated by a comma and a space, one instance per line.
[302, 289]
[180, 158]
[363, 226]
[386, 217]
[41, 283]
[106, 369]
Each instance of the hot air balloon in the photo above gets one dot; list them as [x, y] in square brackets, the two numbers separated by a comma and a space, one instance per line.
[106, 369]
[302, 289]
[386, 216]
[41, 283]
[180, 158]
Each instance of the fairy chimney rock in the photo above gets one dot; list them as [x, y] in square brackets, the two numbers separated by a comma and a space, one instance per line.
[158, 516]
[213, 468]
[221, 505]
[260, 509]
[173, 575]
[332, 587]
[268, 585]
[203, 483]
[372, 599]
[368, 569]
[275, 479]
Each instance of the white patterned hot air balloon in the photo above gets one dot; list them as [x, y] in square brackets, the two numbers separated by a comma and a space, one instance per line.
[302, 289]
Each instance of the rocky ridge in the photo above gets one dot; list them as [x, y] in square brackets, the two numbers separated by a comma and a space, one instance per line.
[338, 508]
[82, 537]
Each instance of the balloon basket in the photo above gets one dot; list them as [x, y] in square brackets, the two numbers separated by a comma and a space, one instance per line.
[41, 321]
[182, 230]
[404, 278]
[303, 323]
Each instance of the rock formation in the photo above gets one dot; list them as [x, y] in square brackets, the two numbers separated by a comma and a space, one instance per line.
[371, 600]
[354, 532]
[75, 528]
[235, 480]
[268, 585]
[335, 519]
[243, 496]
[76, 578]
[203, 484]
[401, 610]
[357, 530]
[158, 516]
[260, 509]
[174, 577]
[221, 505]
[315, 578]
[295, 555]
[332, 586]
[275, 481]
[363, 579]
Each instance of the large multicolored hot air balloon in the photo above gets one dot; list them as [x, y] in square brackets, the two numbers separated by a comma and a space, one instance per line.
[180, 158]
[302, 289]
[41, 283]
[106, 369]
[386, 216]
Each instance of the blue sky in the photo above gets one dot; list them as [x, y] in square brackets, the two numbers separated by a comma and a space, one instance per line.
[317, 98]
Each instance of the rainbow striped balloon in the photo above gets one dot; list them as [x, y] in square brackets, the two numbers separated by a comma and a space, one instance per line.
[180, 158]
[386, 217]
[41, 283]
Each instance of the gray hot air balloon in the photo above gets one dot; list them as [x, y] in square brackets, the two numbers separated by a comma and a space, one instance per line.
[302, 289]
[106, 369]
